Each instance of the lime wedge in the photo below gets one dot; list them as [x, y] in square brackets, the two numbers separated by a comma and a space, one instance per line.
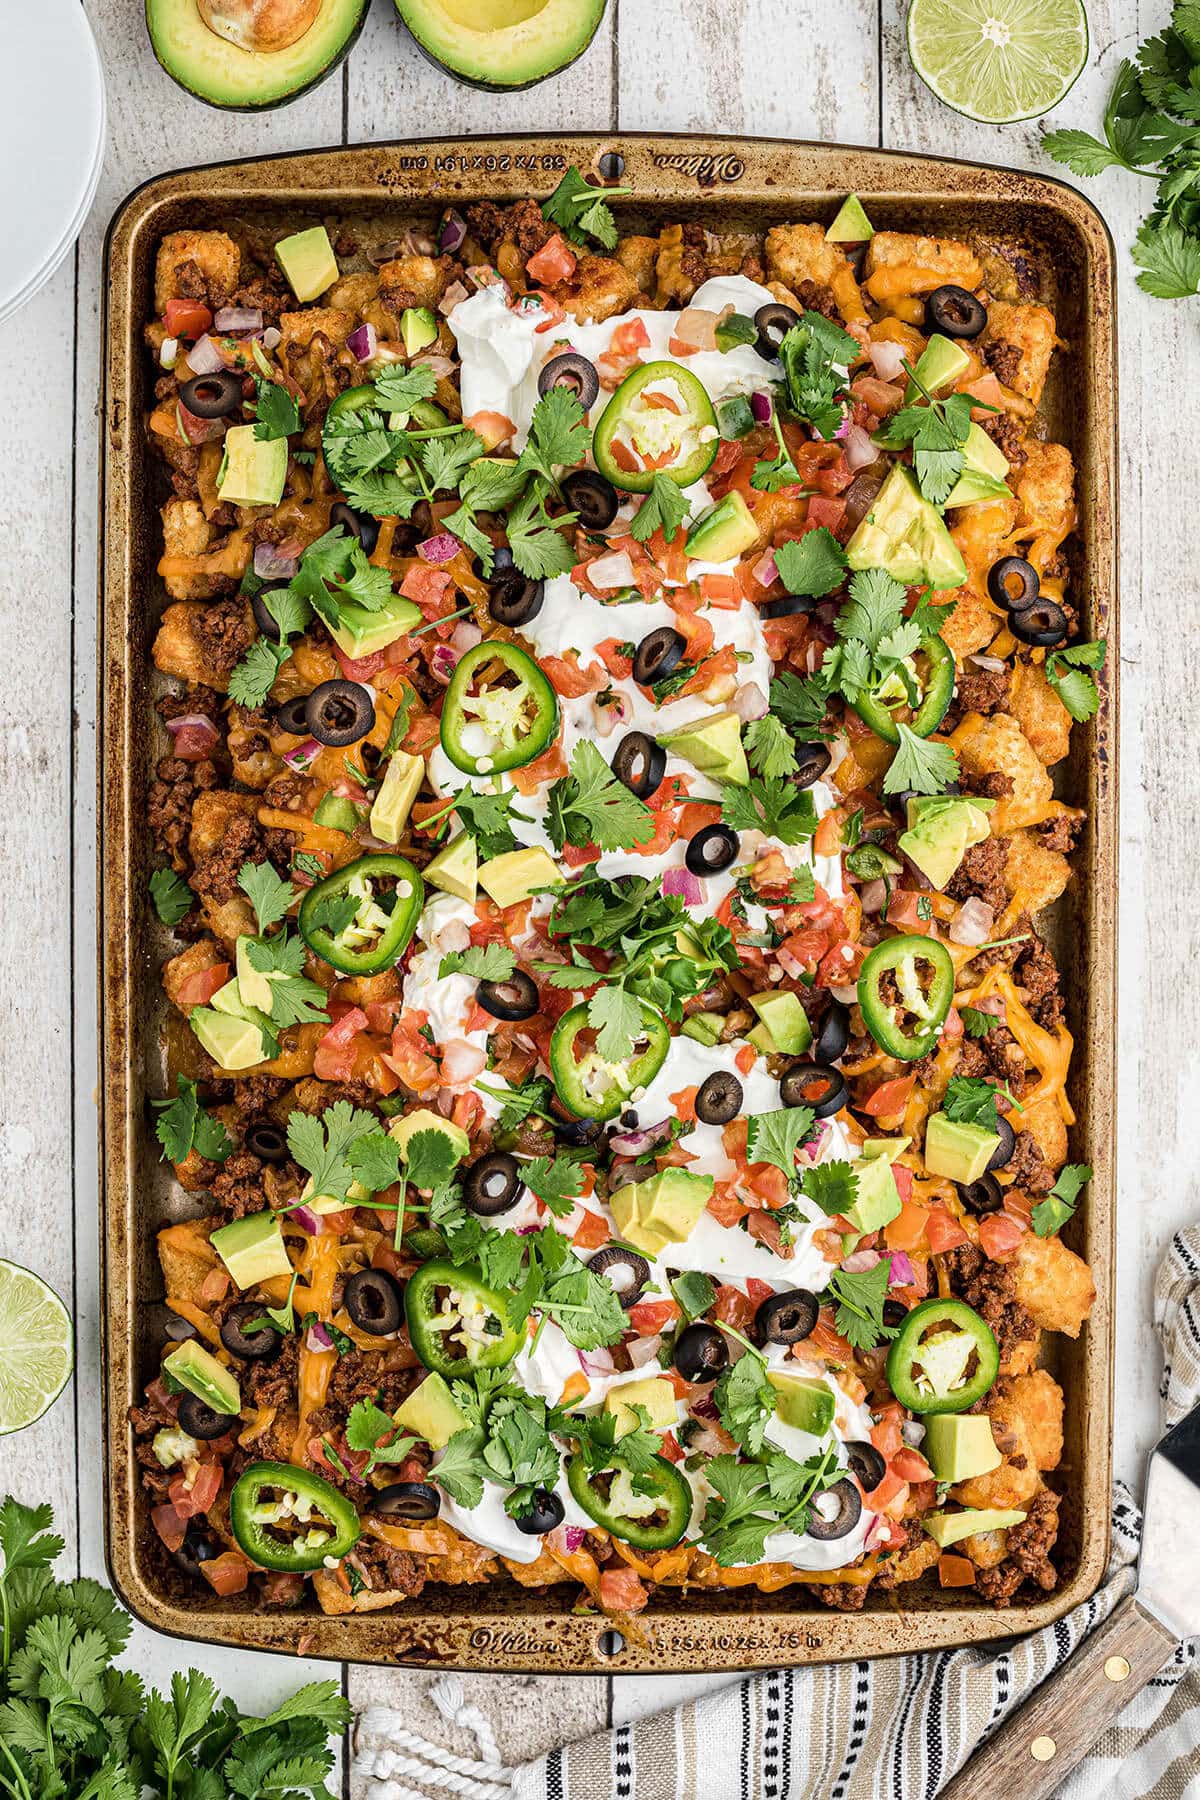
[36, 1347]
[998, 60]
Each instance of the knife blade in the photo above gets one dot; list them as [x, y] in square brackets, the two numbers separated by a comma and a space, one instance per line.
[1034, 1751]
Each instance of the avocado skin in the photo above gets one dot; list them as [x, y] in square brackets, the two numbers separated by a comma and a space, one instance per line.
[355, 8]
[479, 81]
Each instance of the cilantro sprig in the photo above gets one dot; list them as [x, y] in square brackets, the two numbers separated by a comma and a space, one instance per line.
[816, 356]
[581, 211]
[183, 1125]
[590, 806]
[1052, 1213]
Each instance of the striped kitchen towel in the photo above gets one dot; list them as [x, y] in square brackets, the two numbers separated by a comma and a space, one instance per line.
[896, 1729]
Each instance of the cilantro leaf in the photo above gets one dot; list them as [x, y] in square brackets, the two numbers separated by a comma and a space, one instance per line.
[446, 460]
[276, 414]
[369, 1428]
[775, 1137]
[833, 1186]
[252, 679]
[800, 703]
[769, 746]
[172, 897]
[816, 356]
[590, 806]
[539, 548]
[664, 508]
[585, 1307]
[1067, 673]
[771, 805]
[321, 1145]
[488, 818]
[745, 1400]
[920, 765]
[183, 1125]
[976, 1023]
[875, 608]
[460, 1468]
[558, 1182]
[814, 564]
[616, 1017]
[430, 1159]
[1081, 152]
[581, 211]
[859, 1297]
[375, 1161]
[268, 893]
[482, 962]
[558, 434]
[398, 389]
[969, 1100]
[1052, 1213]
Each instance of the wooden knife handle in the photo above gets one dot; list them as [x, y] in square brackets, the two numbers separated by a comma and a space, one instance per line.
[1035, 1751]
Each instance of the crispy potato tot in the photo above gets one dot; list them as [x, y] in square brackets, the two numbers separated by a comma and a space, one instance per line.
[1053, 1284]
[910, 1565]
[1044, 1123]
[177, 650]
[215, 255]
[638, 256]
[981, 530]
[1045, 488]
[1039, 875]
[1018, 343]
[412, 281]
[299, 329]
[932, 260]
[986, 1549]
[1039, 712]
[797, 253]
[212, 814]
[1000, 745]
[973, 623]
[600, 287]
[353, 293]
[201, 955]
[184, 1268]
[1039, 1400]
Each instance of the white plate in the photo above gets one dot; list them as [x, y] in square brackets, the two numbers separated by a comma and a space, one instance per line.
[51, 141]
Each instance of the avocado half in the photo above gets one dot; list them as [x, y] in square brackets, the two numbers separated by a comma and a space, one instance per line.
[502, 44]
[221, 74]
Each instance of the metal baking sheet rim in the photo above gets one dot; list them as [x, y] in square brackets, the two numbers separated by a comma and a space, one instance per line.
[500, 1626]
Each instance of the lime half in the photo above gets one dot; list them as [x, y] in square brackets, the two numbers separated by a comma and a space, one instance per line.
[36, 1347]
[998, 60]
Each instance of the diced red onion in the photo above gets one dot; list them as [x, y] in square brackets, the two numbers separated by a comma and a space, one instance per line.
[879, 1534]
[443, 662]
[887, 359]
[195, 736]
[696, 325]
[274, 562]
[791, 965]
[901, 1272]
[462, 1062]
[764, 570]
[238, 319]
[308, 1220]
[363, 343]
[913, 1433]
[204, 358]
[303, 756]
[271, 338]
[861, 1261]
[762, 406]
[436, 364]
[704, 1407]
[566, 1539]
[465, 636]
[644, 1350]
[750, 703]
[440, 549]
[168, 353]
[858, 447]
[612, 571]
[811, 1151]
[454, 295]
[972, 923]
[317, 1338]
[847, 993]
[685, 884]
[636, 1143]
[451, 232]
[995, 663]
[611, 713]
[482, 275]
[418, 243]
[872, 896]
[454, 935]
[596, 1362]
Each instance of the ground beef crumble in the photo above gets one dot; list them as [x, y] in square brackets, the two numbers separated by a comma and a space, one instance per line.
[216, 874]
[1036, 971]
[988, 1287]
[977, 690]
[170, 801]
[223, 634]
[1028, 1559]
[1059, 834]
[981, 873]
[1004, 358]
[386, 1570]
[238, 1189]
[842, 1596]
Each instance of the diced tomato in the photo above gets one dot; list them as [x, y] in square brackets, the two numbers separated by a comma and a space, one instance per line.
[881, 1497]
[360, 668]
[554, 262]
[725, 1208]
[198, 989]
[841, 966]
[671, 1448]
[570, 680]
[987, 391]
[721, 591]
[551, 765]
[186, 319]
[952, 1027]
[999, 1235]
[823, 510]
[684, 1103]
[767, 1182]
[621, 356]
[620, 1591]
[553, 314]
[911, 912]
[734, 1308]
[577, 856]
[410, 1059]
[227, 1574]
[697, 633]
[828, 1341]
[758, 1291]
[426, 586]
[903, 1179]
[382, 1014]
[886, 1433]
[652, 1316]
[333, 1060]
[1019, 1206]
[195, 740]
[907, 1229]
[206, 1485]
[910, 1465]
[943, 1232]
[591, 1232]
[170, 1524]
[695, 816]
[882, 397]
[955, 1571]
[889, 1097]
[745, 1059]
[494, 428]
[766, 1229]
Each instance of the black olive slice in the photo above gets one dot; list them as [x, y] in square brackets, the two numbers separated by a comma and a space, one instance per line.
[812, 760]
[592, 496]
[340, 712]
[866, 1462]
[372, 1299]
[267, 1142]
[575, 373]
[543, 1513]
[1043, 623]
[407, 1500]
[202, 1421]
[712, 849]
[492, 1184]
[292, 715]
[813, 1084]
[835, 1513]
[659, 652]
[1013, 584]
[639, 763]
[701, 1353]
[894, 1314]
[514, 998]
[578, 1132]
[981, 1197]
[197, 1547]
[626, 1270]
[786, 1318]
[212, 396]
[833, 1034]
[1002, 1155]
[262, 1345]
[358, 524]
[262, 617]
[773, 322]
[954, 312]
[789, 607]
[625, 1174]
[513, 599]
[719, 1098]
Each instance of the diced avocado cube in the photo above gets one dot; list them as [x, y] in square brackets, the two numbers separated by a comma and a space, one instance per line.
[704, 1027]
[726, 531]
[959, 1446]
[455, 869]
[712, 745]
[252, 1249]
[959, 1151]
[418, 329]
[671, 1202]
[786, 1022]
[518, 874]
[198, 1370]
[655, 1393]
[946, 1528]
[852, 225]
[431, 1412]
[336, 813]
[803, 1403]
[253, 987]
[361, 633]
[424, 1119]
[623, 1205]
[942, 361]
[939, 835]
[393, 803]
[905, 535]
[232, 1042]
[985, 469]
[228, 999]
[253, 470]
[307, 260]
[891, 1148]
[877, 1198]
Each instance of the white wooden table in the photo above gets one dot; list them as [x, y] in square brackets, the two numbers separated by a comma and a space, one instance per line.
[823, 69]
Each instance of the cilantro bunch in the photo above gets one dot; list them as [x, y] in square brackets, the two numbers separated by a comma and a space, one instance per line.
[816, 356]
[936, 433]
[1152, 128]
[75, 1727]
